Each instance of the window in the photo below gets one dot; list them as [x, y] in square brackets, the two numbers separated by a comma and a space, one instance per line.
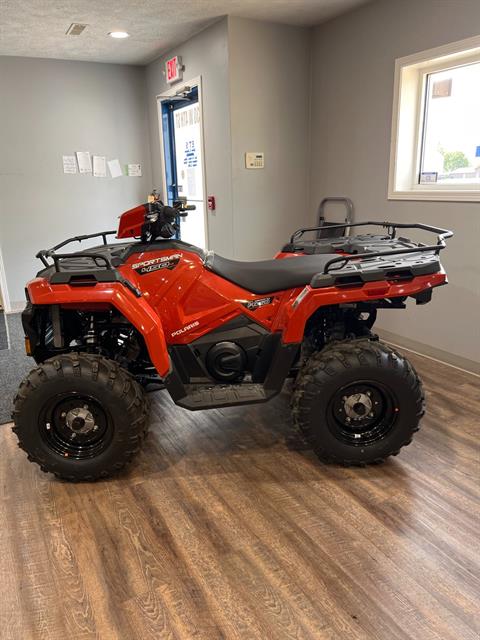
[435, 153]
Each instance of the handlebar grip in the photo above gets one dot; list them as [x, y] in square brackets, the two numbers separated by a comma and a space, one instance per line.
[169, 213]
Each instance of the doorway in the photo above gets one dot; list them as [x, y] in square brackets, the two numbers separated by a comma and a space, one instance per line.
[181, 139]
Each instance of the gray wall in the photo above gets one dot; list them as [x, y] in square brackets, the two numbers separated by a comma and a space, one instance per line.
[352, 82]
[269, 97]
[205, 55]
[255, 81]
[50, 108]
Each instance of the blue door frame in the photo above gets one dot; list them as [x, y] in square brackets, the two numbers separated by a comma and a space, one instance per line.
[168, 113]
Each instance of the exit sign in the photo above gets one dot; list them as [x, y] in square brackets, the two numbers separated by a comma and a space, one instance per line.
[173, 69]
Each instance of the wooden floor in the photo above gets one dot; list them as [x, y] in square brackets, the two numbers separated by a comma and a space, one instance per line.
[227, 527]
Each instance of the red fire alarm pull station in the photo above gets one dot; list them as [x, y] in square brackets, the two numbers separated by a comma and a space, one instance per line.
[211, 203]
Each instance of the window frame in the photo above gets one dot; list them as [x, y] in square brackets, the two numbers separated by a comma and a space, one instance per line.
[409, 119]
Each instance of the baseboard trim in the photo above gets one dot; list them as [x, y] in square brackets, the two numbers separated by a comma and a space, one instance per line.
[445, 357]
[16, 307]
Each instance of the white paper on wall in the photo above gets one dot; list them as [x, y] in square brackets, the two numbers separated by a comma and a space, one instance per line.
[115, 168]
[189, 152]
[84, 161]
[191, 182]
[188, 159]
[134, 170]
[99, 166]
[69, 164]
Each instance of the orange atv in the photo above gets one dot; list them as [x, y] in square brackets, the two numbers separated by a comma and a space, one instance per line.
[104, 323]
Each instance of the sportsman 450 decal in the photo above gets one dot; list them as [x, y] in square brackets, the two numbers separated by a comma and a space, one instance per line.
[155, 264]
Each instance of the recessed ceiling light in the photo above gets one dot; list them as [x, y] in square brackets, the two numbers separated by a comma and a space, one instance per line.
[118, 34]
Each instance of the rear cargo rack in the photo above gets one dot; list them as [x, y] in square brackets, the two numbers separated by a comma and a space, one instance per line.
[342, 260]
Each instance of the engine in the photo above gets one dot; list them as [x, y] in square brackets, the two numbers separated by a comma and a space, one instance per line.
[226, 361]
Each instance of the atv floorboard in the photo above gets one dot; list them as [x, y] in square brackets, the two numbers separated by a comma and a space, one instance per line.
[207, 396]
[227, 527]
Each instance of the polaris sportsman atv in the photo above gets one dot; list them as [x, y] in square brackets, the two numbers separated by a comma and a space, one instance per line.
[104, 323]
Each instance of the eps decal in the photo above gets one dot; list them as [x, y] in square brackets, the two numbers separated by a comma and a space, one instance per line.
[155, 264]
[251, 305]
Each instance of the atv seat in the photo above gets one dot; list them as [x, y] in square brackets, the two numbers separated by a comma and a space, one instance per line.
[267, 276]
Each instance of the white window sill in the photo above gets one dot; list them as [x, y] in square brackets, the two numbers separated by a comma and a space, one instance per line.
[436, 196]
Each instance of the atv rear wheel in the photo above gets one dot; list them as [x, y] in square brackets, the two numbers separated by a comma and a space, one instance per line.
[357, 402]
[80, 416]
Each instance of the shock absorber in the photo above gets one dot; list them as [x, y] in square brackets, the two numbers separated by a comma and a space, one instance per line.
[91, 335]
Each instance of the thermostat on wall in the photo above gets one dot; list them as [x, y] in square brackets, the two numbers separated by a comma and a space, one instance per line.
[254, 160]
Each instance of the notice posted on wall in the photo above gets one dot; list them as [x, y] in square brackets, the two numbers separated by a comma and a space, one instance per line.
[99, 166]
[134, 170]
[84, 161]
[115, 168]
[69, 164]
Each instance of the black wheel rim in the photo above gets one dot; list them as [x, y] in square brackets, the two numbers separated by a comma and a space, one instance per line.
[362, 413]
[75, 426]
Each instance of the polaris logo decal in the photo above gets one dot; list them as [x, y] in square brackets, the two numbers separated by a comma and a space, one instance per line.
[186, 328]
[252, 305]
[155, 264]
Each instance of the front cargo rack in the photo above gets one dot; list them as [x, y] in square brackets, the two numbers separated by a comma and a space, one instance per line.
[58, 257]
[85, 268]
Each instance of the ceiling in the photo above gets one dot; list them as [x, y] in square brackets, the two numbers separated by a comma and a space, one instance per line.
[36, 28]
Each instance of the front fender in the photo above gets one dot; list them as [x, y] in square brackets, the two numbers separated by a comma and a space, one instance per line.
[137, 311]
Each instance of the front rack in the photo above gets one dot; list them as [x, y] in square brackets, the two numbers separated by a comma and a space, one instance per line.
[342, 261]
[106, 272]
[99, 260]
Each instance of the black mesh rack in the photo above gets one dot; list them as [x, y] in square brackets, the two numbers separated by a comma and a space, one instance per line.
[99, 260]
[85, 268]
[391, 227]
[368, 257]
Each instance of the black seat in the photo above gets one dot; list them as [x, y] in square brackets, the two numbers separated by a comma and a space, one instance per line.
[268, 276]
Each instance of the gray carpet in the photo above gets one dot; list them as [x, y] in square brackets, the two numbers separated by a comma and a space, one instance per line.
[14, 366]
[3, 332]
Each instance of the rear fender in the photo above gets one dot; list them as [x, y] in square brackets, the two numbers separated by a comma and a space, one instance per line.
[300, 307]
[136, 310]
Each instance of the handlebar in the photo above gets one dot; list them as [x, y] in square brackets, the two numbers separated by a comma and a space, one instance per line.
[161, 219]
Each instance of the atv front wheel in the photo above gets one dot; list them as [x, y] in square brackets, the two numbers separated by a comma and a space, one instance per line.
[357, 402]
[80, 416]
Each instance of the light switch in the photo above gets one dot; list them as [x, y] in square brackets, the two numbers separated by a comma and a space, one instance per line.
[254, 160]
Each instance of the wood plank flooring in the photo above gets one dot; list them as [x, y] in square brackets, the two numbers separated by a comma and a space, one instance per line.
[226, 526]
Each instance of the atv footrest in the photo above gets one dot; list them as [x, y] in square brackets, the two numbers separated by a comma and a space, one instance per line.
[208, 396]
